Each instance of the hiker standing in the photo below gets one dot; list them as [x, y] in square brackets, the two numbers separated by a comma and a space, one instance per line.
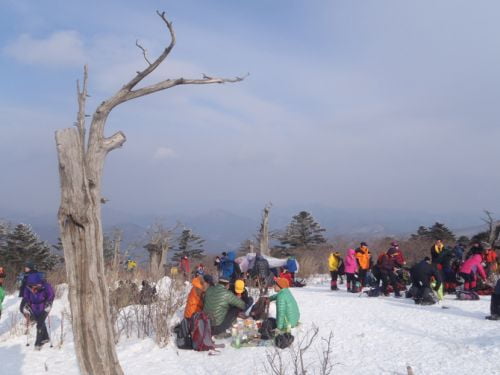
[351, 268]
[39, 296]
[334, 263]
[363, 257]
[470, 269]
[386, 264]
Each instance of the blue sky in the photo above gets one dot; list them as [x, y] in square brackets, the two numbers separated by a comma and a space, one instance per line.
[348, 104]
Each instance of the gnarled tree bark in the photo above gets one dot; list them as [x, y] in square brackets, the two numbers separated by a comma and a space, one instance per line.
[264, 232]
[81, 162]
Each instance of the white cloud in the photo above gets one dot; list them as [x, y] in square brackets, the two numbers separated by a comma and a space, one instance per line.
[61, 48]
[163, 153]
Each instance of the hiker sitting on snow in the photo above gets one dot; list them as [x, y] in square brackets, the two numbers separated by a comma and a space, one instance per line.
[194, 302]
[242, 293]
[421, 276]
[222, 306]
[287, 310]
[38, 296]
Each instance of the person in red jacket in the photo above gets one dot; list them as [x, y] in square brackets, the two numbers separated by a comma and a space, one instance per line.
[286, 275]
[185, 268]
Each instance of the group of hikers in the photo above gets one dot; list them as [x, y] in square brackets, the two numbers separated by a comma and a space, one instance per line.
[446, 270]
[37, 296]
[219, 303]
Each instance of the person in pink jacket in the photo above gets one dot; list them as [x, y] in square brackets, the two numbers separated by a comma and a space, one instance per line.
[351, 267]
[470, 269]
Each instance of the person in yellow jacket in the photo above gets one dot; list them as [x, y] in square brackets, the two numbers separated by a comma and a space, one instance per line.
[334, 264]
[363, 256]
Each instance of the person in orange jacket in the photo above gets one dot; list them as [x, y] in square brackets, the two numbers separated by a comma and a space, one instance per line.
[363, 256]
[491, 261]
[194, 302]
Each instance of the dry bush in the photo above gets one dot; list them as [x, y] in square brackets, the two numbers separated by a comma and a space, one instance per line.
[149, 320]
[293, 360]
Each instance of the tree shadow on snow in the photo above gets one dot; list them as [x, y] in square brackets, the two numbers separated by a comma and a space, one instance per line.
[12, 360]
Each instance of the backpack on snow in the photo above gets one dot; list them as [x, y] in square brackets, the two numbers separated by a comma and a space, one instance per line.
[201, 332]
[467, 295]
[183, 335]
[373, 292]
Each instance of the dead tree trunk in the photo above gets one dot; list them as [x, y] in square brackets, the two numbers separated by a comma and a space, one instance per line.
[81, 162]
[264, 232]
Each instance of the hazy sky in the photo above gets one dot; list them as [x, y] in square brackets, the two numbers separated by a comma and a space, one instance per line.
[349, 104]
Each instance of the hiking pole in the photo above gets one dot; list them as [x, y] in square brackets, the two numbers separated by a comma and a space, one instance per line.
[50, 333]
[27, 331]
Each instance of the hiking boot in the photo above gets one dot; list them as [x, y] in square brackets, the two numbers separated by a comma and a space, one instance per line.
[493, 317]
[398, 295]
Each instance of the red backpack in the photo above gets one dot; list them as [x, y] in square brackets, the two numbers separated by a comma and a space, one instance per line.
[201, 334]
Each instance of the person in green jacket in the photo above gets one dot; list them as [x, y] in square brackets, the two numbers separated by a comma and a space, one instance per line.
[221, 306]
[287, 310]
[2, 296]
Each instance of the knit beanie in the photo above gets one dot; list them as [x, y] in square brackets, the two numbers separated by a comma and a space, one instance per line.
[239, 286]
[281, 282]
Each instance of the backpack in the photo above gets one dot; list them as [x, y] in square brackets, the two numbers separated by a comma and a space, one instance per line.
[467, 295]
[260, 309]
[201, 332]
[267, 328]
[183, 332]
[373, 292]
[283, 340]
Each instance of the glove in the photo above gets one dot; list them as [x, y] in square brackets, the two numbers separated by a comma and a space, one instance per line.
[48, 307]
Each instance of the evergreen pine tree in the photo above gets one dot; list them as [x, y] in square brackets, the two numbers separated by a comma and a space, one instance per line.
[190, 245]
[303, 231]
[440, 231]
[22, 244]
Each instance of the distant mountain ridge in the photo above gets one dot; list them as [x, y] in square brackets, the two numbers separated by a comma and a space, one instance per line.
[224, 230]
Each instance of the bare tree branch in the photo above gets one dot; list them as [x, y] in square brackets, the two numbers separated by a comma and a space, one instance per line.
[115, 141]
[169, 83]
[82, 97]
[142, 74]
[144, 52]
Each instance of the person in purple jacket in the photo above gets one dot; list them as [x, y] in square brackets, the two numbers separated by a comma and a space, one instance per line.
[38, 296]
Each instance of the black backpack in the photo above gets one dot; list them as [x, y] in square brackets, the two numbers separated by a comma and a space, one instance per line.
[283, 340]
[183, 339]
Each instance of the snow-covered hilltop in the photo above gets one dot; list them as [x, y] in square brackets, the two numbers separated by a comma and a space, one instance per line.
[371, 336]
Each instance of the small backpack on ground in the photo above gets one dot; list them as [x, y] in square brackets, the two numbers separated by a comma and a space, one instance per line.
[373, 292]
[283, 340]
[267, 329]
[183, 335]
[467, 295]
[201, 332]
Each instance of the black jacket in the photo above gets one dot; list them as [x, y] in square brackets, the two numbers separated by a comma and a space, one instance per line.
[421, 274]
[261, 267]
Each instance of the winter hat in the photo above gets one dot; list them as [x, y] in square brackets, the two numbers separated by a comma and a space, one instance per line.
[208, 279]
[281, 282]
[394, 243]
[29, 264]
[223, 281]
[363, 244]
[34, 279]
[239, 286]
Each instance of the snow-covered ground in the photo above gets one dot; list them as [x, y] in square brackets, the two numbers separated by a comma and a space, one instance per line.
[371, 336]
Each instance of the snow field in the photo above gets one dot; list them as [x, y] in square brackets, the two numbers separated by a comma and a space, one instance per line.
[371, 336]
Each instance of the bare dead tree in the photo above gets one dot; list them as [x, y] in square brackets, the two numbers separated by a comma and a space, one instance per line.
[81, 161]
[493, 225]
[157, 247]
[264, 231]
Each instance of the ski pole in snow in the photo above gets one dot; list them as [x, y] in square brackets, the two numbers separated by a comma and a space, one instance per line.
[50, 335]
[27, 331]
